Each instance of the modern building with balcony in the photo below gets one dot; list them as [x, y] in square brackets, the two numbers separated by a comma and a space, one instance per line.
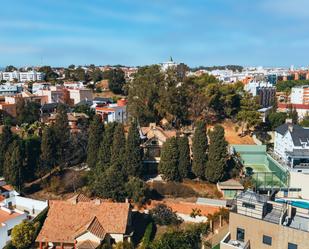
[261, 222]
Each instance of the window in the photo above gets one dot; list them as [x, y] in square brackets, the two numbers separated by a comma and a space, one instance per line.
[9, 232]
[240, 234]
[267, 240]
[248, 205]
[292, 246]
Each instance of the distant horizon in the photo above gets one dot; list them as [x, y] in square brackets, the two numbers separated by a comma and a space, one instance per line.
[136, 32]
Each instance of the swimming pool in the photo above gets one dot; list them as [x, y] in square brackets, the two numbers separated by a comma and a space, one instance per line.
[295, 202]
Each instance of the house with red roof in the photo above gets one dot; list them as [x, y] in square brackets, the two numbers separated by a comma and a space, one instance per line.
[85, 224]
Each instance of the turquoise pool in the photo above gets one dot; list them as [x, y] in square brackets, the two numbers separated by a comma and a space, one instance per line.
[295, 203]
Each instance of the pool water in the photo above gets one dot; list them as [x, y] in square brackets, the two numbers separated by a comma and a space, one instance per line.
[295, 203]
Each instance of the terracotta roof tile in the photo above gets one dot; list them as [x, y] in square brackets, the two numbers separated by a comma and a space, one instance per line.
[186, 207]
[64, 219]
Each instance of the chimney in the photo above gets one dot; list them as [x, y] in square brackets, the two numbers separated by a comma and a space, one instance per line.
[291, 127]
[97, 201]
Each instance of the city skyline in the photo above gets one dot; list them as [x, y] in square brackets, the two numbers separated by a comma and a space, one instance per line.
[269, 33]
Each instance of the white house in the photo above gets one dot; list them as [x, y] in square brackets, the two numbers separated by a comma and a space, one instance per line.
[292, 145]
[14, 209]
[22, 76]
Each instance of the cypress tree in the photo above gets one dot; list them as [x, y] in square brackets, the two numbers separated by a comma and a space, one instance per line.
[111, 184]
[217, 156]
[95, 137]
[118, 147]
[5, 139]
[104, 154]
[48, 150]
[13, 165]
[133, 152]
[62, 132]
[199, 149]
[184, 156]
[168, 165]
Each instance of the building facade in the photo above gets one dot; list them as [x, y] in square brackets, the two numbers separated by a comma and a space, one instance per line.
[257, 222]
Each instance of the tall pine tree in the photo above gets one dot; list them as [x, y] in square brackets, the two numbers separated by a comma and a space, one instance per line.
[5, 139]
[168, 165]
[184, 156]
[13, 165]
[62, 132]
[217, 156]
[134, 152]
[48, 150]
[104, 154]
[119, 148]
[199, 149]
[95, 137]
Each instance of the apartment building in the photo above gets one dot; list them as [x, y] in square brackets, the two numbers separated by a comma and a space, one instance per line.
[22, 76]
[113, 112]
[258, 222]
[300, 95]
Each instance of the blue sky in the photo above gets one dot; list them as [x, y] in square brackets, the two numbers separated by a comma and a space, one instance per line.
[138, 32]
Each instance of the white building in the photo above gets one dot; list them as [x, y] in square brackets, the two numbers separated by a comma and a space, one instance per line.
[80, 94]
[9, 89]
[113, 112]
[300, 95]
[254, 86]
[14, 209]
[22, 76]
[292, 146]
[169, 64]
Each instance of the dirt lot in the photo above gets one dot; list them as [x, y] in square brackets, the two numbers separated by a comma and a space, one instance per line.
[232, 137]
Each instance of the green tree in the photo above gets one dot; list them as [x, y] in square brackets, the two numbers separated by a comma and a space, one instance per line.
[134, 164]
[294, 116]
[136, 190]
[62, 133]
[184, 166]
[116, 80]
[104, 154]
[95, 137]
[248, 116]
[10, 68]
[23, 235]
[27, 112]
[173, 99]
[79, 74]
[199, 150]
[32, 150]
[118, 147]
[217, 155]
[177, 239]
[168, 165]
[13, 165]
[144, 94]
[48, 150]
[50, 75]
[276, 119]
[305, 121]
[5, 140]
[111, 184]
[164, 215]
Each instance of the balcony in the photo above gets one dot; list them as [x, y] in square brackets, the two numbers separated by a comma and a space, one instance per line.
[228, 243]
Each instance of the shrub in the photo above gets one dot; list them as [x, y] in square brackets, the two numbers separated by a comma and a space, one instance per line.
[164, 215]
[173, 189]
[147, 236]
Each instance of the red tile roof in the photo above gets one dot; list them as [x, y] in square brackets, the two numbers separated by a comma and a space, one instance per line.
[65, 219]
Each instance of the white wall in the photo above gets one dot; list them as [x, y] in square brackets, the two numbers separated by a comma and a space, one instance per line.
[117, 237]
[297, 95]
[8, 225]
[300, 180]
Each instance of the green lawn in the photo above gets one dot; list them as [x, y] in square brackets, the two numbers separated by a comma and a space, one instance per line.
[216, 247]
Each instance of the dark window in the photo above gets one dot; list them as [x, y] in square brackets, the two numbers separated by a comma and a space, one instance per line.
[240, 234]
[267, 240]
[248, 205]
[292, 246]
[9, 232]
